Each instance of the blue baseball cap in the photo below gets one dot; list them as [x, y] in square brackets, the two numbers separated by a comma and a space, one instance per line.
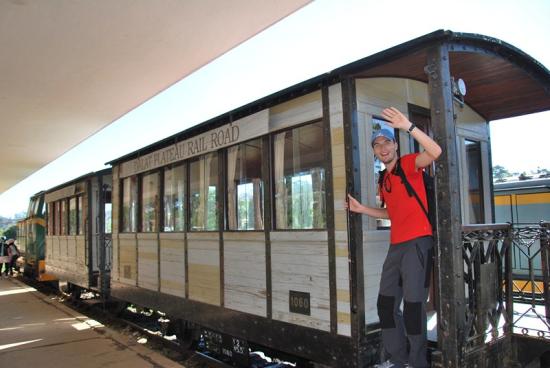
[382, 133]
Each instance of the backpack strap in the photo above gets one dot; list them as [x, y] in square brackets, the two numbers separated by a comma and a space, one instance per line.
[410, 190]
[381, 175]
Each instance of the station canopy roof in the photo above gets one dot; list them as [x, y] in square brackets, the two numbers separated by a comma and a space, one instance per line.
[69, 68]
[502, 81]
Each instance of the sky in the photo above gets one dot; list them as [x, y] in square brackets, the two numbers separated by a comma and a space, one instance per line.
[320, 37]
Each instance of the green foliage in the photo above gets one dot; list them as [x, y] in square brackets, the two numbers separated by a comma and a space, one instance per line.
[500, 173]
[10, 232]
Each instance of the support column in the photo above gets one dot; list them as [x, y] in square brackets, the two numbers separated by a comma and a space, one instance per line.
[449, 264]
[355, 224]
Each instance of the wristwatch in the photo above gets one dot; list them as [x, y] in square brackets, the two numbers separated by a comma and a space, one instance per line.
[411, 128]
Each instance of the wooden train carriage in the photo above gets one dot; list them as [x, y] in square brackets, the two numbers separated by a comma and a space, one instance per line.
[238, 224]
[30, 238]
[78, 231]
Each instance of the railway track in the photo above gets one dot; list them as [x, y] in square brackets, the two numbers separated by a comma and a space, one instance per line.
[144, 326]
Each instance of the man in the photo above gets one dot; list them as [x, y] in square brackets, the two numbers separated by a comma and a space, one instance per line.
[405, 274]
[13, 254]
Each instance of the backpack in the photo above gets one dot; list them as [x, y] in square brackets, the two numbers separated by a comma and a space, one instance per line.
[429, 186]
[12, 250]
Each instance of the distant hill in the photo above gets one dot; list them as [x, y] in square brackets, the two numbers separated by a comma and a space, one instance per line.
[6, 222]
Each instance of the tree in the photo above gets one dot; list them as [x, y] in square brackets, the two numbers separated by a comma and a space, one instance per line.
[500, 173]
[11, 232]
[524, 176]
[543, 173]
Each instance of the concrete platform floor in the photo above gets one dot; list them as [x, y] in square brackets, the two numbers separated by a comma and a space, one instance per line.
[37, 331]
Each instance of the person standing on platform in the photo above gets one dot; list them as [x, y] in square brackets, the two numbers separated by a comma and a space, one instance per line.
[406, 269]
[13, 254]
[4, 261]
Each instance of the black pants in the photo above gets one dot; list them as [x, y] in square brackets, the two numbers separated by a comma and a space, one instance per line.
[406, 277]
[11, 265]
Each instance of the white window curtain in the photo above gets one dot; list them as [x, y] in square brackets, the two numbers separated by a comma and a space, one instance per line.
[280, 190]
[232, 200]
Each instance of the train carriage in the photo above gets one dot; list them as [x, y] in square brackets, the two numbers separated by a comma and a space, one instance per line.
[30, 239]
[237, 226]
[525, 204]
[78, 232]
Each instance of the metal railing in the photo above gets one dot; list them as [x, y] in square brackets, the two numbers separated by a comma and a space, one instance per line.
[531, 275]
[487, 284]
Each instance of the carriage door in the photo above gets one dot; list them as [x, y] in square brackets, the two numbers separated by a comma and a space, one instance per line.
[421, 117]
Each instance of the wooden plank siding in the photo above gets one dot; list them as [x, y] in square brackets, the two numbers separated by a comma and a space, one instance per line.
[204, 267]
[299, 262]
[340, 214]
[148, 266]
[115, 199]
[127, 258]
[65, 254]
[245, 286]
[172, 264]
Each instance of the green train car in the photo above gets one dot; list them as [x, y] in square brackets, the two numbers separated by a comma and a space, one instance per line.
[31, 239]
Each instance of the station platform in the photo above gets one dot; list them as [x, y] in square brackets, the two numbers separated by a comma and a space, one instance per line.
[37, 331]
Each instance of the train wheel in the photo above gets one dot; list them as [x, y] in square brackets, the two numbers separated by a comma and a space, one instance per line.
[186, 333]
[115, 307]
[74, 291]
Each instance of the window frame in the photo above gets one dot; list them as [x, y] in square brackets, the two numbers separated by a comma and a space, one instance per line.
[272, 183]
[265, 187]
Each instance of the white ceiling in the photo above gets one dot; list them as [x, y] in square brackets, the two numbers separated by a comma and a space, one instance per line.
[70, 67]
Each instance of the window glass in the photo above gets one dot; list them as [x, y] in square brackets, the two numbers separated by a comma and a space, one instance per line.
[72, 216]
[150, 202]
[30, 208]
[108, 212]
[51, 218]
[79, 216]
[378, 124]
[108, 218]
[174, 198]
[245, 186]
[299, 176]
[64, 217]
[203, 186]
[58, 218]
[129, 204]
[475, 183]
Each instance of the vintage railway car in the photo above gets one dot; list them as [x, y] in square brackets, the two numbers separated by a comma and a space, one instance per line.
[31, 241]
[523, 202]
[78, 246]
[237, 226]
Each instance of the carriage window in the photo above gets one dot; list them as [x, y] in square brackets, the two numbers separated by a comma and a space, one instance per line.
[72, 216]
[203, 186]
[150, 202]
[79, 218]
[245, 186]
[129, 204]
[57, 222]
[108, 213]
[475, 182]
[378, 124]
[51, 218]
[64, 217]
[299, 176]
[174, 198]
